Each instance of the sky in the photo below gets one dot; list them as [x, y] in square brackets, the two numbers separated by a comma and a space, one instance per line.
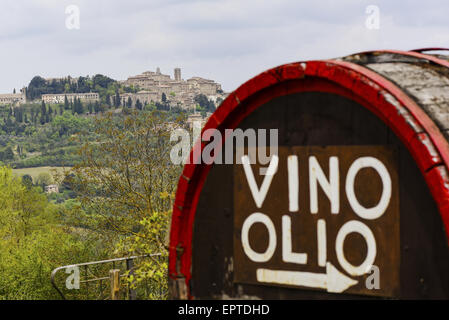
[229, 41]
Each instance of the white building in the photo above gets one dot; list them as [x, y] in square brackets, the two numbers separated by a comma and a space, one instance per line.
[12, 98]
[60, 97]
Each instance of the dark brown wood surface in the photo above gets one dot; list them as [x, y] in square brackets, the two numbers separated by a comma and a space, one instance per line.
[368, 187]
[320, 119]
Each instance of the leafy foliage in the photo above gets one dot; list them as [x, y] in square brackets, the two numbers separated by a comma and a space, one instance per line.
[126, 178]
[98, 83]
[33, 241]
[206, 104]
[117, 202]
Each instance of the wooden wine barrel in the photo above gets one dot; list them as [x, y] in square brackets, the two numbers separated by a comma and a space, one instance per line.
[358, 205]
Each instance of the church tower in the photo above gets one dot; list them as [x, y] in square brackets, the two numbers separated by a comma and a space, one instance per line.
[177, 74]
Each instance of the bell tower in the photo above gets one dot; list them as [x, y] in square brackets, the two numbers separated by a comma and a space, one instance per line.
[177, 74]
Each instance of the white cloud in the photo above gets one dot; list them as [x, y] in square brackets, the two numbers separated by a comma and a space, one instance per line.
[227, 40]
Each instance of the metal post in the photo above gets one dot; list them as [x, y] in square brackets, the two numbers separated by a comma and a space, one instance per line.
[87, 283]
[114, 275]
[132, 294]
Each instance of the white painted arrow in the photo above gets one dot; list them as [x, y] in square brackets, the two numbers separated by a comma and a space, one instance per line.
[333, 280]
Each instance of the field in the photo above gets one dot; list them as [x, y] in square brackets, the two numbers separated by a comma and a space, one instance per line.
[34, 172]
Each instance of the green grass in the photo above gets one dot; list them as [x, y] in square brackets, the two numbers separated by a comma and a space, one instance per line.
[34, 172]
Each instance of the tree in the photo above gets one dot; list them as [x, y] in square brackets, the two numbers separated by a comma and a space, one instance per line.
[43, 109]
[36, 87]
[27, 181]
[102, 81]
[139, 105]
[7, 154]
[68, 124]
[126, 178]
[97, 107]
[78, 106]
[164, 97]
[18, 114]
[33, 115]
[43, 117]
[129, 103]
[66, 183]
[117, 99]
[108, 100]
[19, 150]
[44, 179]
[206, 104]
[66, 103]
[33, 241]
[161, 106]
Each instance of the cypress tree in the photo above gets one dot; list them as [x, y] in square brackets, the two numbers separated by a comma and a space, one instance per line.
[108, 100]
[78, 106]
[138, 104]
[117, 99]
[66, 103]
[43, 109]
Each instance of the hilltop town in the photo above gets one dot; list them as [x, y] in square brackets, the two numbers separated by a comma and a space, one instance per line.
[150, 87]
[181, 92]
[37, 123]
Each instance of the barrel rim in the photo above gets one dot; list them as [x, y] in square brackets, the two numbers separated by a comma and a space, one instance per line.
[417, 53]
[420, 50]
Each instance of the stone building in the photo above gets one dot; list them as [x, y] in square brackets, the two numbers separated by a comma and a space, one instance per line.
[148, 80]
[52, 188]
[68, 78]
[178, 91]
[177, 74]
[204, 86]
[197, 118]
[145, 97]
[60, 97]
[13, 99]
